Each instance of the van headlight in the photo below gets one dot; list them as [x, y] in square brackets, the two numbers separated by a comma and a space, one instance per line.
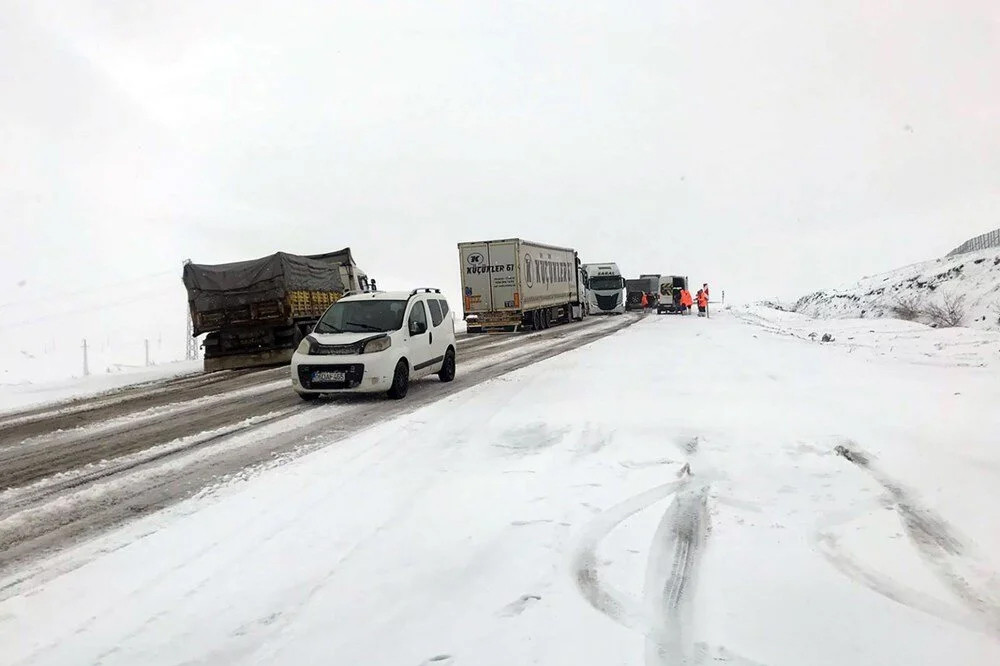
[377, 345]
[303, 347]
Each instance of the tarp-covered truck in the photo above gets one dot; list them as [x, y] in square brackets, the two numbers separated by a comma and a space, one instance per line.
[256, 312]
[634, 289]
[513, 284]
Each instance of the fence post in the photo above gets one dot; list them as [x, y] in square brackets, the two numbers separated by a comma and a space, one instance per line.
[86, 365]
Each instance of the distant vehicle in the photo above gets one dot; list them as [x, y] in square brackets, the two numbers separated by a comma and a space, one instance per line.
[377, 342]
[605, 288]
[653, 291]
[634, 289]
[256, 312]
[514, 284]
[670, 293]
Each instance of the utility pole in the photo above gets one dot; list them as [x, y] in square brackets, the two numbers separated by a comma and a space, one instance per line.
[147, 352]
[86, 365]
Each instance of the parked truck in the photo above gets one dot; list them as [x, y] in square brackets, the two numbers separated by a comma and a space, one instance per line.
[256, 312]
[514, 284]
[605, 288]
[648, 284]
[634, 289]
[653, 291]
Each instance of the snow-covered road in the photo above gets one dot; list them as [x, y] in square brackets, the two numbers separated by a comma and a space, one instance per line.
[685, 491]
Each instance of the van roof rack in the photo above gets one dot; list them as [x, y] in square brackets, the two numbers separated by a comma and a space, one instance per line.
[425, 290]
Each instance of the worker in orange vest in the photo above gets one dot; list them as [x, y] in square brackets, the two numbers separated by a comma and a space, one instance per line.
[686, 301]
[702, 298]
[645, 301]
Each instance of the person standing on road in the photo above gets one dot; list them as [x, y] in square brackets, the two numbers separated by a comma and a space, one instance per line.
[686, 301]
[702, 299]
[645, 302]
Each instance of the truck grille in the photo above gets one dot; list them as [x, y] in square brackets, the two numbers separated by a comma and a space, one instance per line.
[609, 302]
[354, 373]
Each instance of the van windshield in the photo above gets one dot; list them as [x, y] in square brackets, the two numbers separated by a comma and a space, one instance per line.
[362, 317]
[606, 282]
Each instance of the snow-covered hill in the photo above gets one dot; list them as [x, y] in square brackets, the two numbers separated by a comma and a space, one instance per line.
[906, 293]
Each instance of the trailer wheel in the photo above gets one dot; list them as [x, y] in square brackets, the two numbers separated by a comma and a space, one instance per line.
[400, 381]
[546, 318]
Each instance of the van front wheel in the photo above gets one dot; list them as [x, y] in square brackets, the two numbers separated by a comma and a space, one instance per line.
[400, 381]
[447, 373]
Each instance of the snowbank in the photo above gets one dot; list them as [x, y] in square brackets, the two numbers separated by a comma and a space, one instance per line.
[889, 338]
[28, 394]
[975, 275]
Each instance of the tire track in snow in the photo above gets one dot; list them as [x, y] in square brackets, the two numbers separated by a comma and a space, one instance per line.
[671, 574]
[664, 615]
[946, 555]
[618, 605]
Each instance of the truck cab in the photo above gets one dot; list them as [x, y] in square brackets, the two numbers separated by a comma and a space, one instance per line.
[605, 289]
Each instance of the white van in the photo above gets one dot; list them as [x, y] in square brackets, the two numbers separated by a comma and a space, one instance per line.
[375, 342]
[605, 289]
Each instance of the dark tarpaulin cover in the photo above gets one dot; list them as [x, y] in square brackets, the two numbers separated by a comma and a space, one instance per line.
[632, 286]
[214, 287]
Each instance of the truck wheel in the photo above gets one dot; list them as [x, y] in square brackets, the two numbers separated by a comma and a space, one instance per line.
[536, 320]
[447, 373]
[546, 319]
[400, 381]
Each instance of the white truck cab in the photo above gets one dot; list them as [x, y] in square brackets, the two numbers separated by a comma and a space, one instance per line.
[605, 289]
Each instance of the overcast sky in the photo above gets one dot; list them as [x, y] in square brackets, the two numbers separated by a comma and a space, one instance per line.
[770, 147]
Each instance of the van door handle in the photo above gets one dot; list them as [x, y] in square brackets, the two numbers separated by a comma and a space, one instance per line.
[431, 336]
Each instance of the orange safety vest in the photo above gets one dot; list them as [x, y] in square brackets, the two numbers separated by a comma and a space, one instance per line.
[702, 299]
[686, 297]
[645, 301]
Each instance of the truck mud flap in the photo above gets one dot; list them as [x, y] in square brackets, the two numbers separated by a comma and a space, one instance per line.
[259, 359]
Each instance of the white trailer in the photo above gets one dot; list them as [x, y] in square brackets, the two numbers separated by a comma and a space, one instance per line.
[605, 288]
[512, 284]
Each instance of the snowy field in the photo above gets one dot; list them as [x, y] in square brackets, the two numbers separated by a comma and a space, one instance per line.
[686, 491]
[974, 276]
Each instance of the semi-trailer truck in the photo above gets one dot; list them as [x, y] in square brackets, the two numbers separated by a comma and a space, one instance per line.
[255, 312]
[605, 288]
[514, 284]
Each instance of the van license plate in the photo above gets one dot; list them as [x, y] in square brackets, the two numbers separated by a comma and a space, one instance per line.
[329, 376]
